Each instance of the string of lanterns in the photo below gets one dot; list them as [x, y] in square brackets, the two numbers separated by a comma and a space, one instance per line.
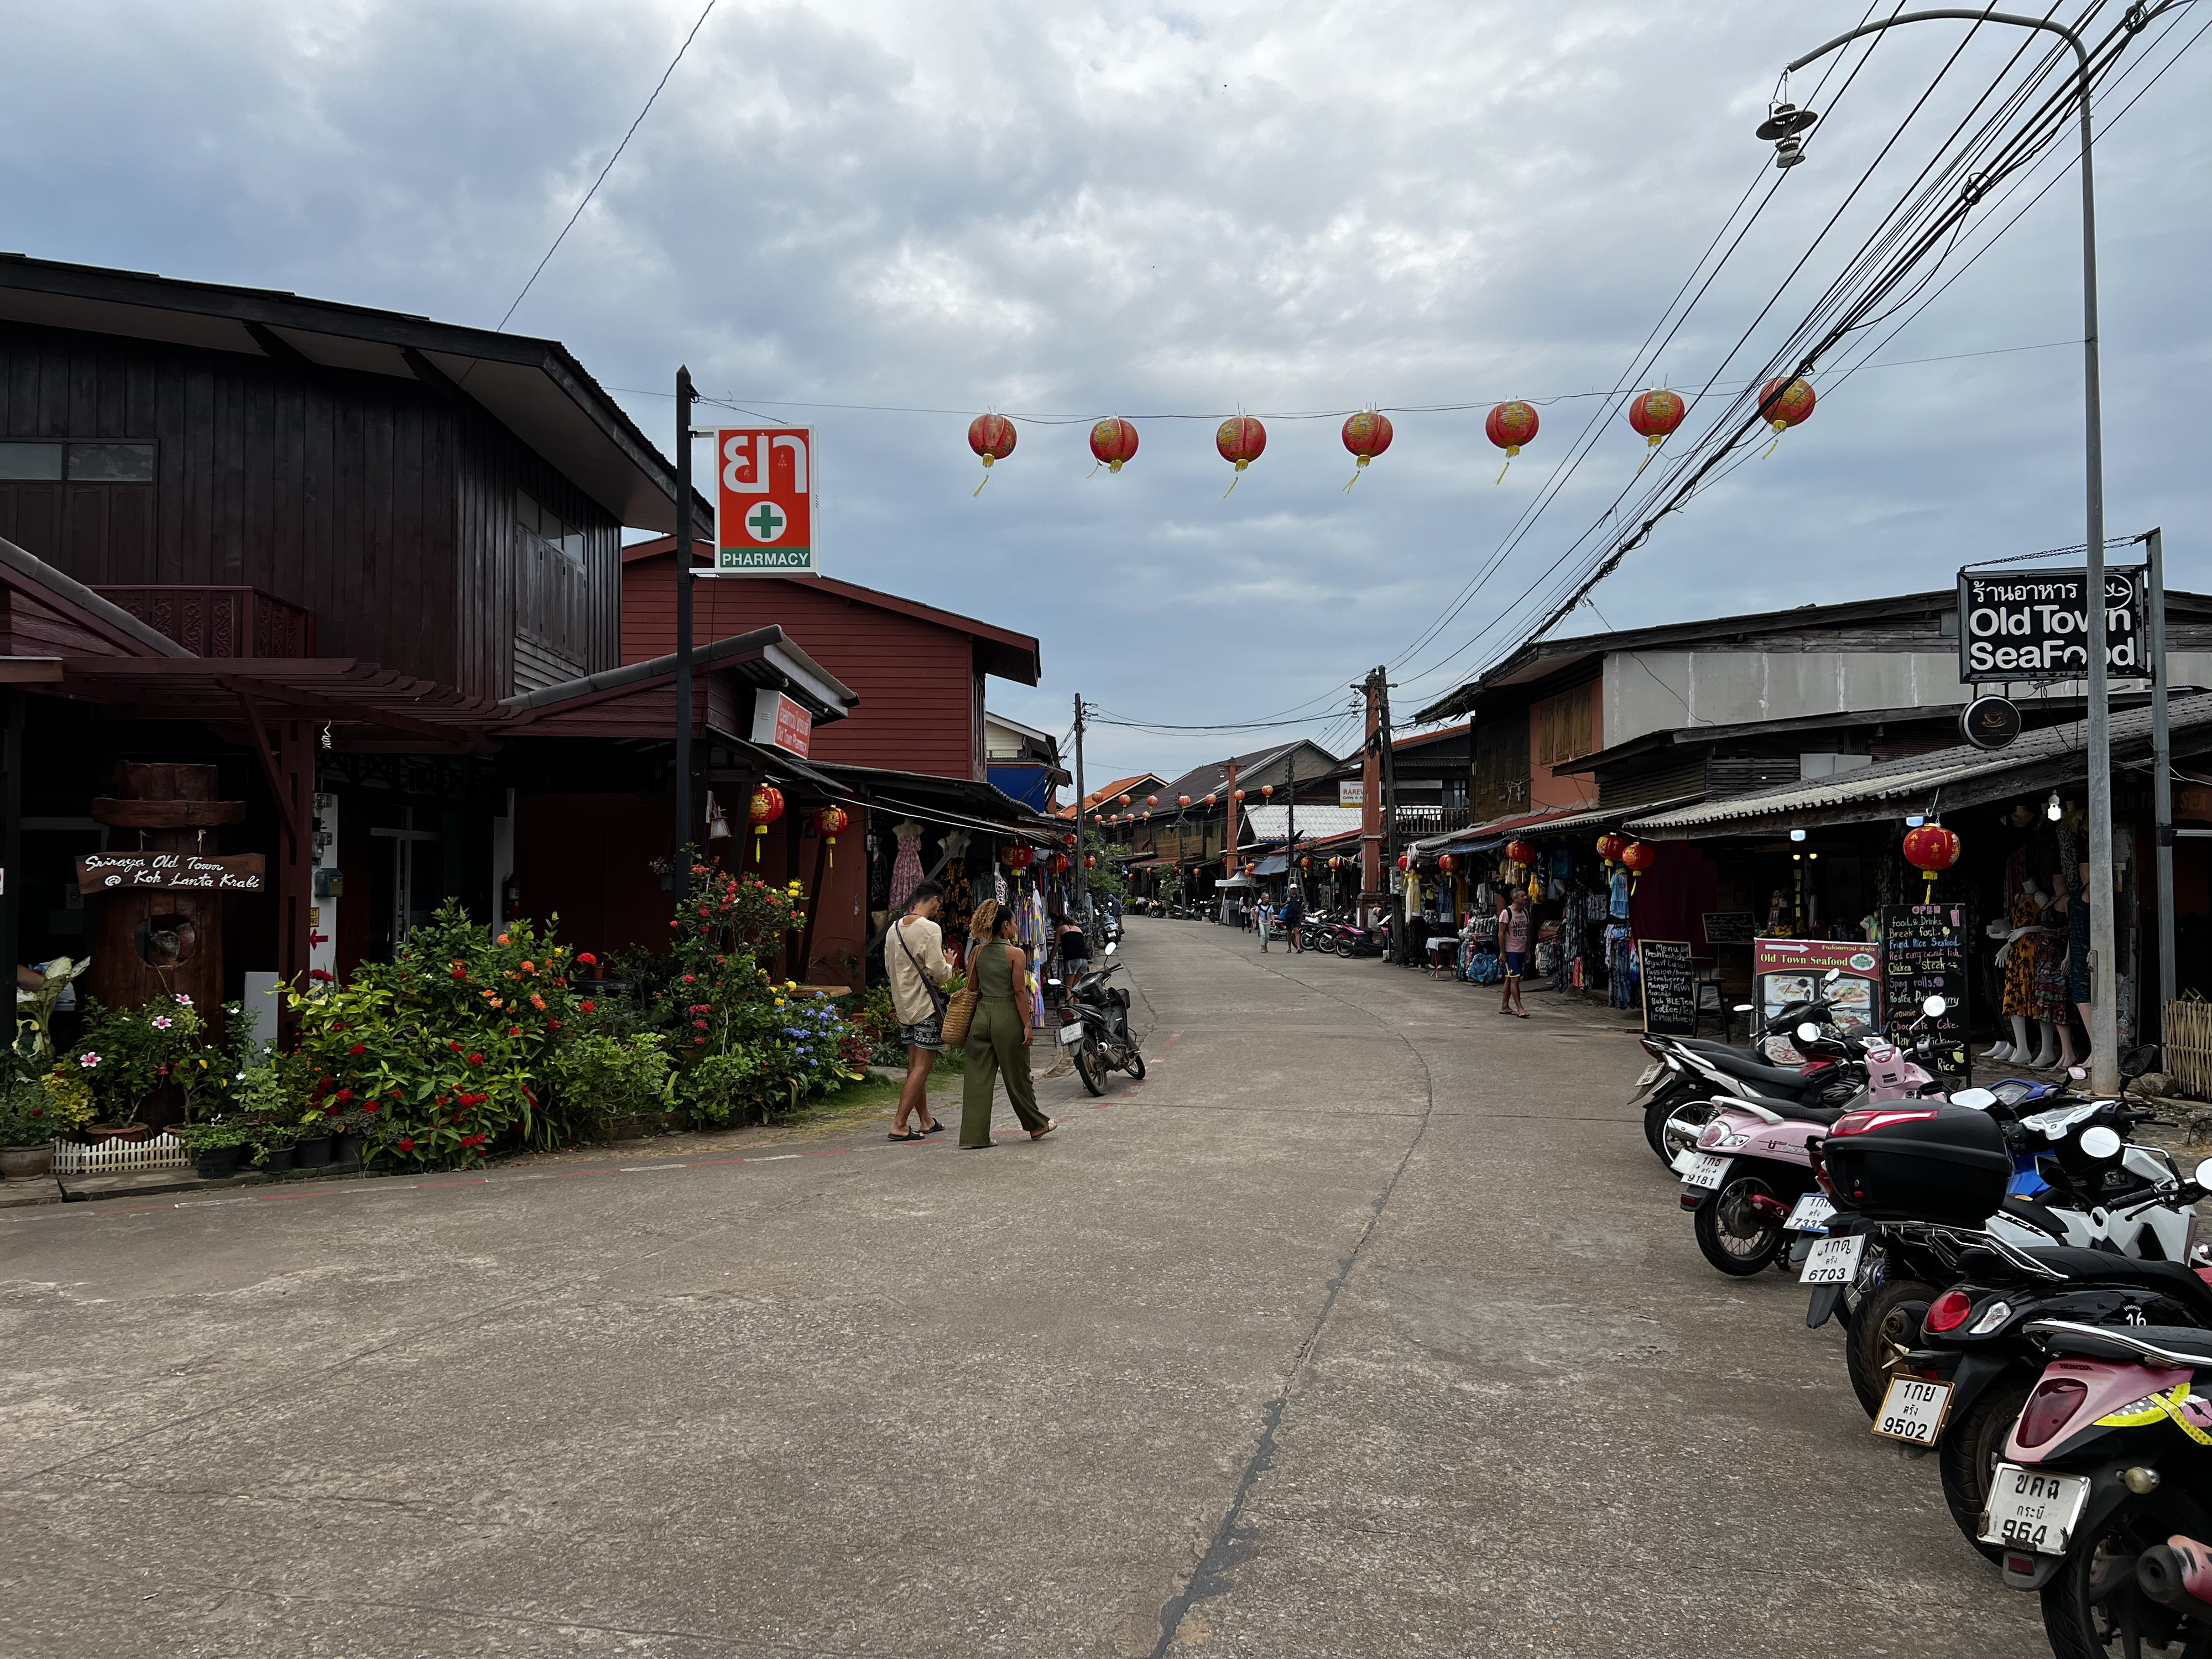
[1653, 414]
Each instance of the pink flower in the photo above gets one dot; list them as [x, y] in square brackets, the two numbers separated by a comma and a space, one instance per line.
[183, 1001]
[161, 1022]
[88, 1060]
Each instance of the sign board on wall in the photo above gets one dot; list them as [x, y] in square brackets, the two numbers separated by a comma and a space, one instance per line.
[230, 872]
[1792, 970]
[2034, 625]
[1352, 792]
[780, 723]
[765, 501]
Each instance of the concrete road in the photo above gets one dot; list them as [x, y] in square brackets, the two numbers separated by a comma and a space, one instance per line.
[1366, 1325]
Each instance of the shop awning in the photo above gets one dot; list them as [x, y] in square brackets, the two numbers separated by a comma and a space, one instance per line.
[958, 802]
[2053, 757]
[1274, 863]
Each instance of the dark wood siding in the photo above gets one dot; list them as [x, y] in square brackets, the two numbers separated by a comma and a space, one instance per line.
[384, 505]
[920, 708]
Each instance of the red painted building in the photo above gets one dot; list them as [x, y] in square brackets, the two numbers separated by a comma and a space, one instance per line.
[917, 671]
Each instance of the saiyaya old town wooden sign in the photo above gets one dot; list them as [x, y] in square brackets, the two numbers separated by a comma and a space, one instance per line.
[231, 873]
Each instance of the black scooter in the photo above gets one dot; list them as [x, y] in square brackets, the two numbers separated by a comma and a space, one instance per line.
[1094, 1026]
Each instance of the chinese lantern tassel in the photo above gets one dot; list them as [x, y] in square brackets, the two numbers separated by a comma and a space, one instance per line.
[1234, 482]
[979, 487]
[1650, 449]
[1357, 471]
[760, 839]
[1780, 427]
[1508, 467]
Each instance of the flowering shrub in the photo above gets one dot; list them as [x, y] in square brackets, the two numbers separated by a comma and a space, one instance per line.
[128, 1053]
[449, 1048]
[69, 1102]
[27, 1115]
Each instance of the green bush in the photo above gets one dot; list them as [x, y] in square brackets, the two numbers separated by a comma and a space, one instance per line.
[27, 1117]
[604, 1074]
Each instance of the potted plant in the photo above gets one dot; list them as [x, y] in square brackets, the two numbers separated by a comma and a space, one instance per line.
[313, 1148]
[132, 1057]
[275, 1144]
[26, 1132]
[217, 1147]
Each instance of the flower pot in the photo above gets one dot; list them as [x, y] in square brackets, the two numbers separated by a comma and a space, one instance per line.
[313, 1151]
[25, 1163]
[99, 1135]
[346, 1148]
[279, 1159]
[215, 1163]
[163, 1107]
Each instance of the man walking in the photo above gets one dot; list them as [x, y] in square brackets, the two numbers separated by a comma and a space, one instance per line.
[917, 962]
[1513, 945]
[1294, 914]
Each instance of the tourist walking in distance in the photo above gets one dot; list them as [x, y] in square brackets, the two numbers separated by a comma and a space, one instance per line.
[915, 957]
[999, 1034]
[1513, 945]
[1294, 915]
[1262, 916]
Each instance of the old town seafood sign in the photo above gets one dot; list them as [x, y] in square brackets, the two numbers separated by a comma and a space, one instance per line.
[232, 872]
[2032, 625]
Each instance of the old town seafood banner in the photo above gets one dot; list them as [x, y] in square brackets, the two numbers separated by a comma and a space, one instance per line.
[2034, 625]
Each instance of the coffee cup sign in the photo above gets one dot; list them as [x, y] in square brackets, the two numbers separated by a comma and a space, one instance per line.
[2034, 625]
[230, 872]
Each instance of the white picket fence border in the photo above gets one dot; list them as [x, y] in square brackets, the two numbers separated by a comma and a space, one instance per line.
[161, 1151]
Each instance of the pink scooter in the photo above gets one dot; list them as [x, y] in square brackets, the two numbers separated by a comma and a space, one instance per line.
[1749, 1183]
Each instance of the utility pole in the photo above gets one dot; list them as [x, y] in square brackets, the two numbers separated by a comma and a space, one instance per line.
[1082, 842]
[680, 865]
[2161, 766]
[1231, 813]
[1291, 834]
[1389, 767]
[1372, 887]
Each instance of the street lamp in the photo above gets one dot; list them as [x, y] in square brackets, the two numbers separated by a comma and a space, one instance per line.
[2104, 1032]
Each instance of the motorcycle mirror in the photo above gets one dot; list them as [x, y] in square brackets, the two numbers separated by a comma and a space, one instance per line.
[1808, 1032]
[2134, 1062]
[1977, 1100]
[1934, 1007]
[1109, 947]
[2101, 1142]
[2204, 1174]
[1745, 1008]
[1831, 976]
[1053, 983]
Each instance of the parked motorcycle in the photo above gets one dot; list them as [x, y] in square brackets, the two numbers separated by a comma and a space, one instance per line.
[1350, 939]
[1095, 1027]
[2103, 1499]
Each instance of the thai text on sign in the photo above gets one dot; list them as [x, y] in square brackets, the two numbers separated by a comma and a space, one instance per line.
[229, 872]
[765, 498]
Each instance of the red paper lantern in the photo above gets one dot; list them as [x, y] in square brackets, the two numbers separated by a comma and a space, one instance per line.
[1447, 863]
[1059, 864]
[1211, 800]
[1510, 426]
[1113, 442]
[1784, 403]
[1242, 439]
[1252, 869]
[766, 807]
[1019, 855]
[1123, 801]
[1183, 801]
[1366, 434]
[1639, 855]
[1090, 862]
[991, 436]
[1152, 800]
[1240, 797]
[1611, 846]
[1406, 862]
[1931, 849]
[1305, 864]
[1656, 414]
[1519, 852]
[829, 823]
[1267, 791]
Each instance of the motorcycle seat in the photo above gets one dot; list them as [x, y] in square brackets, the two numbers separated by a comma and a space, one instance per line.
[1773, 1079]
[2107, 1267]
[1794, 1111]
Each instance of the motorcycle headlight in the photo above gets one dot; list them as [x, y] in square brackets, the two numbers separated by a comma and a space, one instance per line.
[1992, 1317]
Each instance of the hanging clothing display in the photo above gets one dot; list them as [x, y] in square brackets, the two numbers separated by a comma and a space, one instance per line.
[1621, 965]
[906, 868]
[1618, 906]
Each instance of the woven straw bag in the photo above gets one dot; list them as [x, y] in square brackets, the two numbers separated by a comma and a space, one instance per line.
[959, 1013]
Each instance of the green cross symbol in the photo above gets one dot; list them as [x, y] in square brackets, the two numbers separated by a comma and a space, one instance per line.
[766, 522]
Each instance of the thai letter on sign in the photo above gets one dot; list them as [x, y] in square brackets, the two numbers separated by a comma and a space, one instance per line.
[778, 721]
[765, 498]
[2035, 626]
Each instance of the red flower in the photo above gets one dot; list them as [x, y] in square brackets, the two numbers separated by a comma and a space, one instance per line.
[345, 1094]
[366, 1106]
[476, 1060]
[698, 1042]
[552, 1024]
[691, 979]
[588, 959]
[407, 1144]
[455, 1047]
[673, 922]
[357, 1049]
[332, 1111]
[515, 1031]
[698, 1025]
[460, 973]
[441, 1099]
[588, 1007]
[316, 972]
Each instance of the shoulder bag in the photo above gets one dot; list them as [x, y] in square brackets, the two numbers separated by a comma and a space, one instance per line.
[937, 999]
[960, 1007]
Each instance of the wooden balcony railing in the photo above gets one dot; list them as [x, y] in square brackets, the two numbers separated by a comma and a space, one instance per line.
[219, 622]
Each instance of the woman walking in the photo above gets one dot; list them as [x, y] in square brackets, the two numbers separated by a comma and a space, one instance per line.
[999, 1034]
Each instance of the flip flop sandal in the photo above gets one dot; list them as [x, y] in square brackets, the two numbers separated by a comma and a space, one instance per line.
[1050, 1125]
[935, 1129]
[911, 1135]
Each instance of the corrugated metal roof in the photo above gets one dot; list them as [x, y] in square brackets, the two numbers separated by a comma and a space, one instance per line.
[1273, 822]
[1913, 781]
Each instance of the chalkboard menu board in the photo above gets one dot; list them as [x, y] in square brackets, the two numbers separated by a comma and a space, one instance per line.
[1730, 927]
[1670, 987]
[1924, 954]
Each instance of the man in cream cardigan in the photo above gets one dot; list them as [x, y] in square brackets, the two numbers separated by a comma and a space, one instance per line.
[917, 961]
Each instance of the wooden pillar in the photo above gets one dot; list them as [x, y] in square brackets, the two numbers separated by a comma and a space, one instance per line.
[293, 779]
[12, 846]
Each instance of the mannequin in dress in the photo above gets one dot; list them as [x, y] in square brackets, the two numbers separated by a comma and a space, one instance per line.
[2022, 932]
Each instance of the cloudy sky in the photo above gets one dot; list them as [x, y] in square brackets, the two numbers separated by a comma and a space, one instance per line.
[1076, 211]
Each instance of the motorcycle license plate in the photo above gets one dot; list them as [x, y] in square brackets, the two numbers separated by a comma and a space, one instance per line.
[2031, 1509]
[1704, 1169]
[1650, 1072]
[1912, 1410]
[1811, 1214]
[1071, 1035]
[1833, 1261]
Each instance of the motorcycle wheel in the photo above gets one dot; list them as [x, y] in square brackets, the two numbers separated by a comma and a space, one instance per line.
[1677, 1131]
[1878, 1335]
[1090, 1065]
[1344, 947]
[1967, 1454]
[2091, 1607]
[1135, 1064]
[1728, 1235]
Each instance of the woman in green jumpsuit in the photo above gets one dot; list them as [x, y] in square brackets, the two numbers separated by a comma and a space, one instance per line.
[998, 1035]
